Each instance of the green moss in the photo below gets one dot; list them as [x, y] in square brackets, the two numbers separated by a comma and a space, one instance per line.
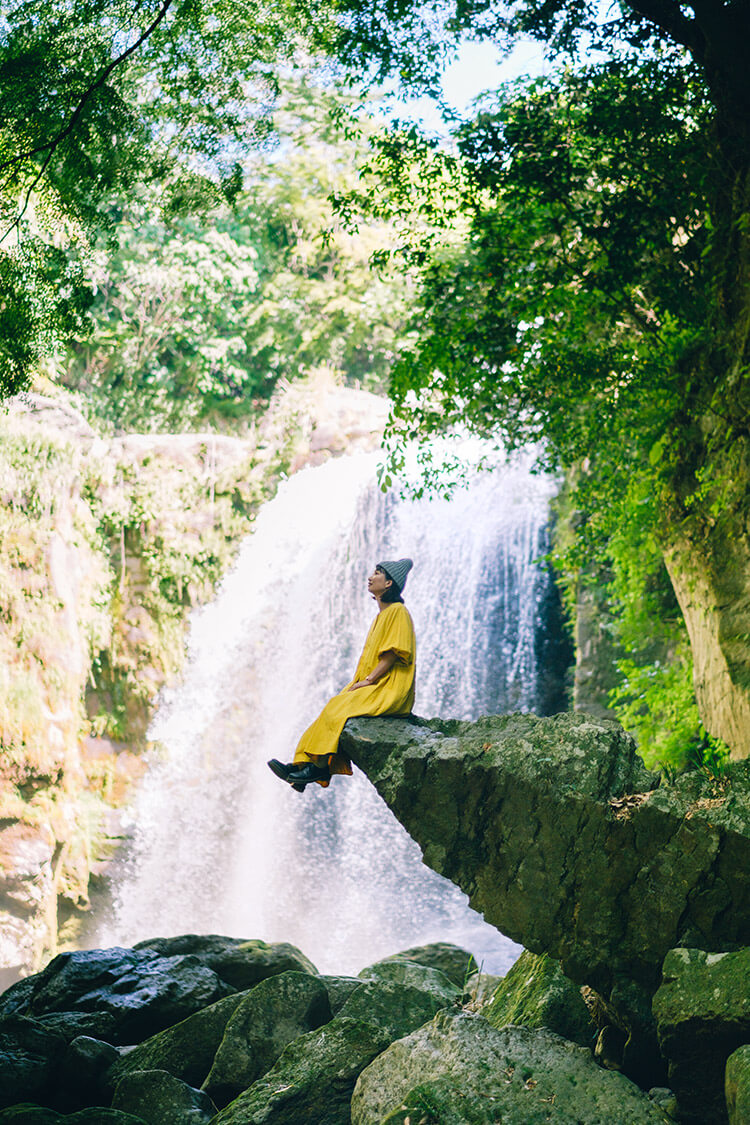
[170, 535]
[535, 993]
[520, 997]
[643, 663]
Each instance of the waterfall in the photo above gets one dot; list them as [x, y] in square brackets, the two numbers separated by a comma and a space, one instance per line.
[222, 846]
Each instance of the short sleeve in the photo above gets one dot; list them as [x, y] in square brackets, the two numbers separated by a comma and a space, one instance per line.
[398, 634]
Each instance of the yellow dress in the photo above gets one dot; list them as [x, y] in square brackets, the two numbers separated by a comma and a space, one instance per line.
[393, 694]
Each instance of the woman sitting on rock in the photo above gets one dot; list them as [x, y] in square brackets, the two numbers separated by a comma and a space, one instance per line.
[383, 683]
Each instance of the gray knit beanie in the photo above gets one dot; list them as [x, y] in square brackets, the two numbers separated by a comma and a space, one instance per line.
[397, 571]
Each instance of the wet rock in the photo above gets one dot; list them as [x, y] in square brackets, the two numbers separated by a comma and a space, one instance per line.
[274, 1013]
[410, 974]
[160, 1099]
[536, 993]
[143, 992]
[666, 1101]
[458, 1069]
[186, 1050]
[28, 896]
[30, 1057]
[313, 1079]
[702, 1012]
[737, 1086]
[399, 1007]
[238, 962]
[82, 1072]
[456, 963]
[71, 1025]
[38, 1115]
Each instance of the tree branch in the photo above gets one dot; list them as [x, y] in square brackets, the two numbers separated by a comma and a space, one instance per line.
[667, 15]
[75, 117]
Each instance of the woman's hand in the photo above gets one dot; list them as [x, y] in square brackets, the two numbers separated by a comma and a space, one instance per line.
[386, 662]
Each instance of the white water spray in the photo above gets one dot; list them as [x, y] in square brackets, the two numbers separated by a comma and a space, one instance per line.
[220, 845]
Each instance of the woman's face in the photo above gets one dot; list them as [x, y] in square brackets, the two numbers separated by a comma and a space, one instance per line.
[378, 583]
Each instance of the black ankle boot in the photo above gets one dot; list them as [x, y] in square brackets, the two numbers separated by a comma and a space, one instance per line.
[309, 772]
[280, 769]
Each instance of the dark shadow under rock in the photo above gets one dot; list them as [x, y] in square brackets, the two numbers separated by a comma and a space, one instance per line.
[30, 1058]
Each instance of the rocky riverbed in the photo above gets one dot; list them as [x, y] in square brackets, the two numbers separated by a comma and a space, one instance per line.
[197, 1030]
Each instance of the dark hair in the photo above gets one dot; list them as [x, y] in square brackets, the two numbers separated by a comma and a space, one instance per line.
[393, 593]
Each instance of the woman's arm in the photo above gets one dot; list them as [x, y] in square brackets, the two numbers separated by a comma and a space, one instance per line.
[386, 662]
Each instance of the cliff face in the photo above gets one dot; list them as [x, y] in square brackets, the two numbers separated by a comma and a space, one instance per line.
[105, 547]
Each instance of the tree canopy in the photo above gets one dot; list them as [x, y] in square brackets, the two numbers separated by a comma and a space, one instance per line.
[102, 97]
[194, 318]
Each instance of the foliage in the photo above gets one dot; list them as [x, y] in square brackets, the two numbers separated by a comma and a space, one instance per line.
[170, 535]
[101, 97]
[195, 320]
[163, 340]
[565, 309]
[564, 293]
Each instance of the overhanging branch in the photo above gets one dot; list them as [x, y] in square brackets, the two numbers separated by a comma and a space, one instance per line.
[51, 146]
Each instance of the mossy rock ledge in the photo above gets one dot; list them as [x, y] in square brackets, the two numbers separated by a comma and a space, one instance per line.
[566, 843]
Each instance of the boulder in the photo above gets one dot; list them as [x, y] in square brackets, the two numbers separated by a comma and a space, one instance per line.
[30, 1057]
[456, 963]
[702, 1012]
[28, 1114]
[399, 1007]
[142, 991]
[160, 1099]
[536, 993]
[313, 1079]
[72, 1025]
[410, 974]
[459, 1070]
[82, 1072]
[737, 1086]
[274, 1013]
[186, 1050]
[238, 962]
[566, 843]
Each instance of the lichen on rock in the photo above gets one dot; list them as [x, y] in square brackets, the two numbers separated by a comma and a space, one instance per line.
[459, 1069]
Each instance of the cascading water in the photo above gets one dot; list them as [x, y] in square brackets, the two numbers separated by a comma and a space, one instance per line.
[220, 845]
